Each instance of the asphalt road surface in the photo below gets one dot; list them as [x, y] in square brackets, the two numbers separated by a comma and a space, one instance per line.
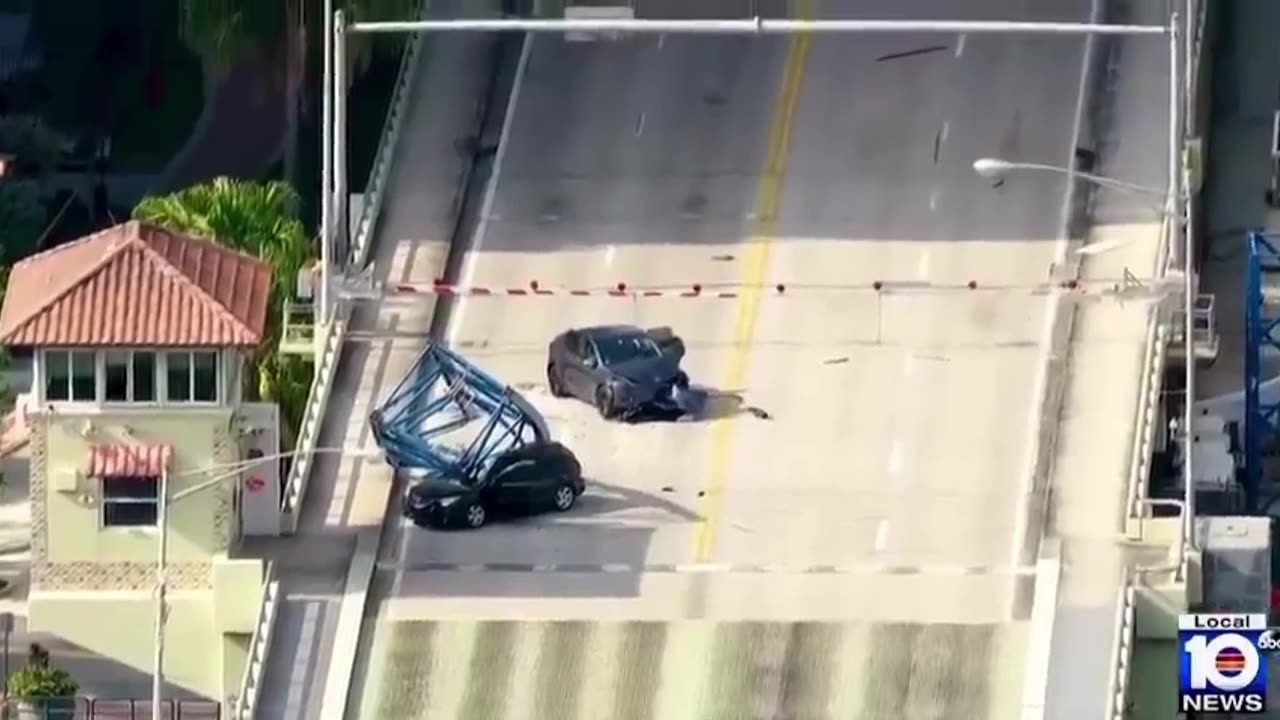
[883, 438]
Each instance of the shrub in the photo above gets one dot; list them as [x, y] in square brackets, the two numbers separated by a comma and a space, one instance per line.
[37, 147]
[38, 680]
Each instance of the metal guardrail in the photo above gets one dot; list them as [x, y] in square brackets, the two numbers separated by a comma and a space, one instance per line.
[299, 332]
[1122, 651]
[1204, 326]
[246, 701]
[1137, 507]
[326, 366]
[95, 708]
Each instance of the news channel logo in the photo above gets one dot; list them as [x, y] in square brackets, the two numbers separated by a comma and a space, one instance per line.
[1223, 663]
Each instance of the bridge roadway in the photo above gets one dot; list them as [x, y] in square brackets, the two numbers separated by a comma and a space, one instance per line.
[896, 430]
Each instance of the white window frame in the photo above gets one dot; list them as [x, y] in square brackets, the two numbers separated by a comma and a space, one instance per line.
[161, 356]
[70, 352]
[130, 353]
[219, 377]
[105, 501]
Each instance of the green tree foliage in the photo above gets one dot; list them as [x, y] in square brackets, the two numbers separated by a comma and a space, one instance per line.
[260, 218]
[22, 218]
[224, 31]
[36, 146]
[38, 681]
[6, 394]
[88, 49]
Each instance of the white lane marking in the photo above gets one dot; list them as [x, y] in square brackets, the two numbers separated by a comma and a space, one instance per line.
[882, 535]
[922, 270]
[640, 125]
[946, 130]
[661, 40]
[402, 551]
[933, 199]
[896, 459]
[294, 702]
[609, 253]
[909, 365]
[960, 44]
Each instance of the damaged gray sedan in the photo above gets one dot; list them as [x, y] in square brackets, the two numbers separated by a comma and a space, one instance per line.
[623, 370]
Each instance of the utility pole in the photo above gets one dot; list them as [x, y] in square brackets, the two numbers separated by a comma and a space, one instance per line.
[162, 610]
[326, 168]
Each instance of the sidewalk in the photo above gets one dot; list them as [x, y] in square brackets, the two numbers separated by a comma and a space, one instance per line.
[241, 132]
[343, 510]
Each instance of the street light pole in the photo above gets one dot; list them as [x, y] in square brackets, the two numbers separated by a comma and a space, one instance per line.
[756, 26]
[163, 501]
[993, 168]
[341, 203]
[162, 512]
[1178, 191]
[326, 166]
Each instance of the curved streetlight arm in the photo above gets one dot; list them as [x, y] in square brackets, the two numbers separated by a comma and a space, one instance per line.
[993, 168]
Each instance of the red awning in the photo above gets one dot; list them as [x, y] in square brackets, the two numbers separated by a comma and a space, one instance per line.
[129, 460]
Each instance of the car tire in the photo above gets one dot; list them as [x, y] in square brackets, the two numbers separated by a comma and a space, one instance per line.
[681, 381]
[564, 498]
[605, 402]
[554, 382]
[475, 516]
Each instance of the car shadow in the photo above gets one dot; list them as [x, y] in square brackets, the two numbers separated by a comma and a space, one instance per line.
[602, 498]
[703, 404]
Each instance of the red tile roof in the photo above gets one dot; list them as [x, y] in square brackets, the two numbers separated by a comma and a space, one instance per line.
[137, 284]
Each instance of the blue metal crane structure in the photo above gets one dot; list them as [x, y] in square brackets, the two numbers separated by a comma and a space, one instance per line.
[1262, 335]
[440, 395]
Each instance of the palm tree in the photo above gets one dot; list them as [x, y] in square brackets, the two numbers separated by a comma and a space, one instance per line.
[226, 31]
[259, 218]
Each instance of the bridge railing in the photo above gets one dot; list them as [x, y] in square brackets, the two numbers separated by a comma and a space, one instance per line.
[246, 700]
[327, 361]
[1138, 506]
[1125, 635]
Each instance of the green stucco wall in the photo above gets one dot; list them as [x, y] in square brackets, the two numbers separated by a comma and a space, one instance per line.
[73, 517]
[192, 658]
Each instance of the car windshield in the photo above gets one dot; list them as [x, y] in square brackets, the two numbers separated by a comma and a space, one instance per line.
[618, 349]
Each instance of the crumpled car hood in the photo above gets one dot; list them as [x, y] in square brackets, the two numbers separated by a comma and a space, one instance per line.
[437, 489]
[648, 372]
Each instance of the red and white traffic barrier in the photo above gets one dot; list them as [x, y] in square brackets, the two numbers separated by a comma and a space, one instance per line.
[624, 291]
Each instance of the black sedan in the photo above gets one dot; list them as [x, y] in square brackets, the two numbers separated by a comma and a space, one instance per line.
[533, 478]
[622, 370]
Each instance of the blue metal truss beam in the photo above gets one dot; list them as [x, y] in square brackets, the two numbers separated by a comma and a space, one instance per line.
[442, 393]
[1262, 420]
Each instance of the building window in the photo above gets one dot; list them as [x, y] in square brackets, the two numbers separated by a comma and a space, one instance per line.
[144, 376]
[204, 377]
[70, 375]
[115, 366]
[192, 376]
[130, 376]
[130, 501]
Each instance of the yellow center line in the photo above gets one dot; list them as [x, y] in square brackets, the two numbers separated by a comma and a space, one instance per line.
[755, 263]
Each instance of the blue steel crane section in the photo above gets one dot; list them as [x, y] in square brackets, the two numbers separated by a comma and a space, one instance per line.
[441, 394]
[1262, 419]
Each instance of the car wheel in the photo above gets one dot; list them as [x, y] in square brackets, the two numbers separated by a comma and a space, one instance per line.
[554, 383]
[605, 402]
[681, 381]
[564, 498]
[475, 516]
